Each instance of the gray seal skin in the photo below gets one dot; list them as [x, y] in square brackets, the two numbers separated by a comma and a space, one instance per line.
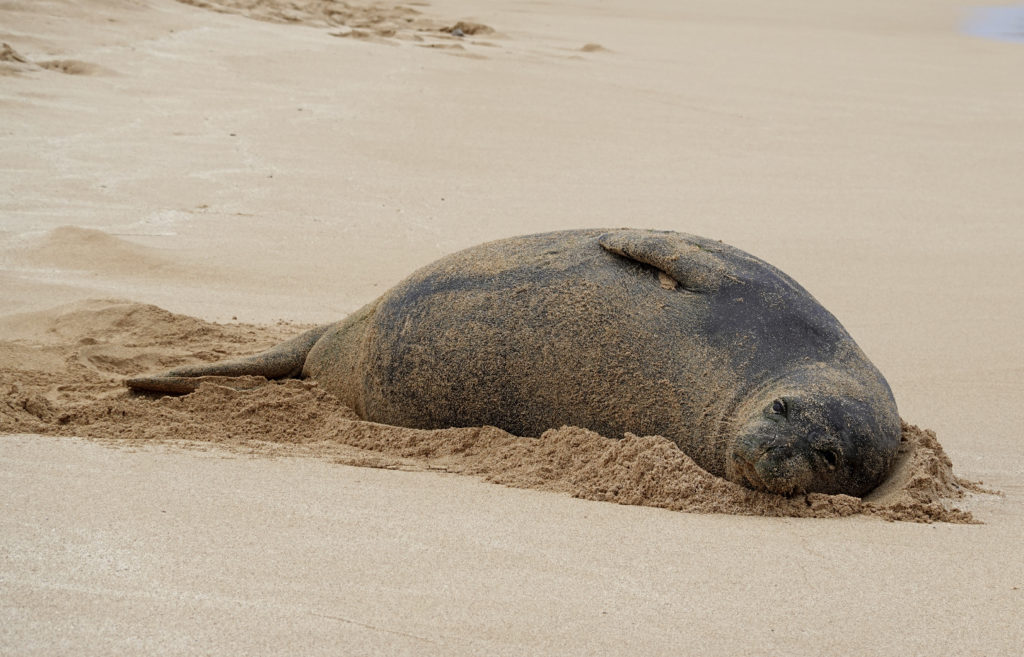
[639, 331]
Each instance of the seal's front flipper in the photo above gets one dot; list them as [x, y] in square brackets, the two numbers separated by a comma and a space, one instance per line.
[281, 362]
[691, 261]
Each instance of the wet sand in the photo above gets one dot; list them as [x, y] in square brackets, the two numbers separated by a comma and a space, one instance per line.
[293, 164]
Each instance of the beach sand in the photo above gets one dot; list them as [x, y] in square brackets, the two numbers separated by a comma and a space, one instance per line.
[187, 181]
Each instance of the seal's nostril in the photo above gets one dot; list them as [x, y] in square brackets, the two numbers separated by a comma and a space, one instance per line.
[830, 457]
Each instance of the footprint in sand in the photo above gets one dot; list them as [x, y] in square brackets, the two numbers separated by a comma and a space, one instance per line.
[12, 63]
[73, 67]
[463, 28]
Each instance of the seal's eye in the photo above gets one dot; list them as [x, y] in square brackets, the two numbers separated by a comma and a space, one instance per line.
[779, 407]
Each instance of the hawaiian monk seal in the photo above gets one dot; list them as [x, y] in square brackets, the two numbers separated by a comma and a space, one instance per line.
[638, 331]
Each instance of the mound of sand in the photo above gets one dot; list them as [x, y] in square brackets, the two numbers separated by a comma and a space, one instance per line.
[94, 251]
[97, 253]
[61, 373]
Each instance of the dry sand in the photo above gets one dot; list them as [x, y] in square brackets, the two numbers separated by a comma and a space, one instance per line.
[232, 169]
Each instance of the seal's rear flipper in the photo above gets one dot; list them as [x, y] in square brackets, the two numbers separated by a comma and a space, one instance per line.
[281, 362]
[183, 385]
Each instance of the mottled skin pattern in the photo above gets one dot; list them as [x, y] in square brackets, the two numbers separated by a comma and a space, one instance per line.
[617, 331]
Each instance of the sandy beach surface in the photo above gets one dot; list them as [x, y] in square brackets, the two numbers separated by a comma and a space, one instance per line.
[186, 180]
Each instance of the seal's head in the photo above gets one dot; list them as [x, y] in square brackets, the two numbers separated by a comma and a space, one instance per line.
[803, 439]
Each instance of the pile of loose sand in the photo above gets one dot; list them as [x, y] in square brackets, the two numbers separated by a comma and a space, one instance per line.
[374, 21]
[61, 372]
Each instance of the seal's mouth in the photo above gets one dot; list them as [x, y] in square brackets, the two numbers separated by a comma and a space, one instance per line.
[769, 469]
[744, 470]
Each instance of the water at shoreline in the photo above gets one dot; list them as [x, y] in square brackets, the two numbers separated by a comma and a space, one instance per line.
[1000, 23]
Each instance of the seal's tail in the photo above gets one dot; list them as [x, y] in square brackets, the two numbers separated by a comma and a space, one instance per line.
[283, 361]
